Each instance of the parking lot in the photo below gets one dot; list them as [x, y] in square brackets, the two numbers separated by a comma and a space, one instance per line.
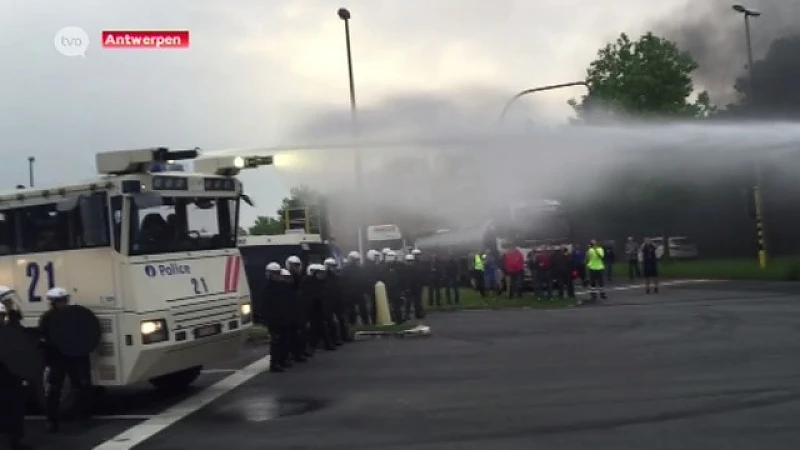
[706, 365]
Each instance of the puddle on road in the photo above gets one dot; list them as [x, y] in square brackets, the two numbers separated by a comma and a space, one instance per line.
[266, 408]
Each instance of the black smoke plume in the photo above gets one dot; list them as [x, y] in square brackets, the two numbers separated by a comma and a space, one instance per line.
[715, 36]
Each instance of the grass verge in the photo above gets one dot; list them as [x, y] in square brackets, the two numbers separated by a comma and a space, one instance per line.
[471, 299]
[782, 268]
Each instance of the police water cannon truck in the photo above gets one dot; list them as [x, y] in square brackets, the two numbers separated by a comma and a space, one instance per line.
[150, 249]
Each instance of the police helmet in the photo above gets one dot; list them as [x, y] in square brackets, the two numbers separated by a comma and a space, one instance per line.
[330, 262]
[314, 268]
[5, 290]
[390, 256]
[273, 267]
[3, 309]
[410, 257]
[386, 250]
[373, 255]
[294, 259]
[416, 251]
[354, 255]
[57, 294]
[285, 273]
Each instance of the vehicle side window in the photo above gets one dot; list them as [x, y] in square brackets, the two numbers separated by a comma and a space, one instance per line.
[90, 222]
[44, 228]
[70, 224]
[8, 233]
[116, 220]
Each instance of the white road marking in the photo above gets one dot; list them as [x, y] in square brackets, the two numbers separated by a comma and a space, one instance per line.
[110, 417]
[139, 433]
[213, 371]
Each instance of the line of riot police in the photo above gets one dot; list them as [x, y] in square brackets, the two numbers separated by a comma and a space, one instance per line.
[315, 307]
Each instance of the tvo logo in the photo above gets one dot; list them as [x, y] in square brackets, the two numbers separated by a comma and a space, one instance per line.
[167, 270]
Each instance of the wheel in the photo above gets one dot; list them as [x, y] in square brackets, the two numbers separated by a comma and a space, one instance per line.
[177, 380]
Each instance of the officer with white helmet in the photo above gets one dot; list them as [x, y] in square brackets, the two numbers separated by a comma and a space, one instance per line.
[12, 393]
[342, 303]
[298, 311]
[392, 271]
[60, 366]
[315, 292]
[275, 314]
[356, 289]
[414, 279]
[10, 301]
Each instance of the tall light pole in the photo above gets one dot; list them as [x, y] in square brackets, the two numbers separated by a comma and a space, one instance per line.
[344, 14]
[757, 198]
[31, 160]
[538, 89]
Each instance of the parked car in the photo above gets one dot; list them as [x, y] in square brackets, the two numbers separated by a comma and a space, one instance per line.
[680, 247]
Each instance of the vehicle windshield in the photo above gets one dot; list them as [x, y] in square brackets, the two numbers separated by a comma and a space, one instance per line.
[394, 244]
[161, 224]
[541, 230]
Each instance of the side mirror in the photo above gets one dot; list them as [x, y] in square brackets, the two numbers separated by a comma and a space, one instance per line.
[248, 200]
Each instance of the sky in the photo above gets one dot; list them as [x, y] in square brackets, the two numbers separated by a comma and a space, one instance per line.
[266, 73]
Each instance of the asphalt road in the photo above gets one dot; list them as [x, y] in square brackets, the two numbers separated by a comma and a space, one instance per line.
[706, 366]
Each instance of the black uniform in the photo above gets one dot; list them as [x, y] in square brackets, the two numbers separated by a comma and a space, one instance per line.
[452, 274]
[298, 319]
[12, 401]
[60, 366]
[371, 274]
[342, 305]
[414, 280]
[435, 278]
[561, 267]
[395, 288]
[356, 291]
[314, 293]
[276, 313]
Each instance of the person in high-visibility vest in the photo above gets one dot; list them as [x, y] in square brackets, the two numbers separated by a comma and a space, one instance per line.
[477, 271]
[596, 268]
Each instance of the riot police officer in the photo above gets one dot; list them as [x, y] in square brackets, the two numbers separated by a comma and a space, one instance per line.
[12, 389]
[372, 274]
[314, 292]
[342, 303]
[298, 311]
[356, 289]
[392, 275]
[275, 312]
[59, 366]
[413, 278]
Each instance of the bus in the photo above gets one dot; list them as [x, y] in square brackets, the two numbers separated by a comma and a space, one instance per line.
[258, 251]
[149, 249]
[385, 236]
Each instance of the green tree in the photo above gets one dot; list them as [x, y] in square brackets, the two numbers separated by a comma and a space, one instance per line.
[266, 226]
[301, 196]
[647, 77]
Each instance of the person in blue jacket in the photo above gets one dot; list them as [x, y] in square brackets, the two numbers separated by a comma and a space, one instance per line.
[579, 263]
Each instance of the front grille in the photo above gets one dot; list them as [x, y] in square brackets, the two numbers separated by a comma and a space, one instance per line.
[204, 312]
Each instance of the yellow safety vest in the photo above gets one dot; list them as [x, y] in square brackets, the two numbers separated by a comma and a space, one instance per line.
[478, 262]
[595, 258]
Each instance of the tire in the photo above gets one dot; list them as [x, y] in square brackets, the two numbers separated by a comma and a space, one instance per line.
[177, 381]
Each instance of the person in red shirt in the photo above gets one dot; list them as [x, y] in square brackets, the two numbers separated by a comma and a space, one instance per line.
[514, 267]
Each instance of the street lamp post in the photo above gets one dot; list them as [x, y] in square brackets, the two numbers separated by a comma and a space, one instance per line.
[757, 198]
[344, 14]
[31, 160]
[538, 89]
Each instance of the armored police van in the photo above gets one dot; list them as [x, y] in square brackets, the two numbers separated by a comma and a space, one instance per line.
[150, 249]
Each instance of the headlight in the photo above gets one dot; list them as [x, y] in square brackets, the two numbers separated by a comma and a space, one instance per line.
[154, 331]
[246, 311]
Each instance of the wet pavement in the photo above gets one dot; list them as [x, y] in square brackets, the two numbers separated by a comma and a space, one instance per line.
[709, 366]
